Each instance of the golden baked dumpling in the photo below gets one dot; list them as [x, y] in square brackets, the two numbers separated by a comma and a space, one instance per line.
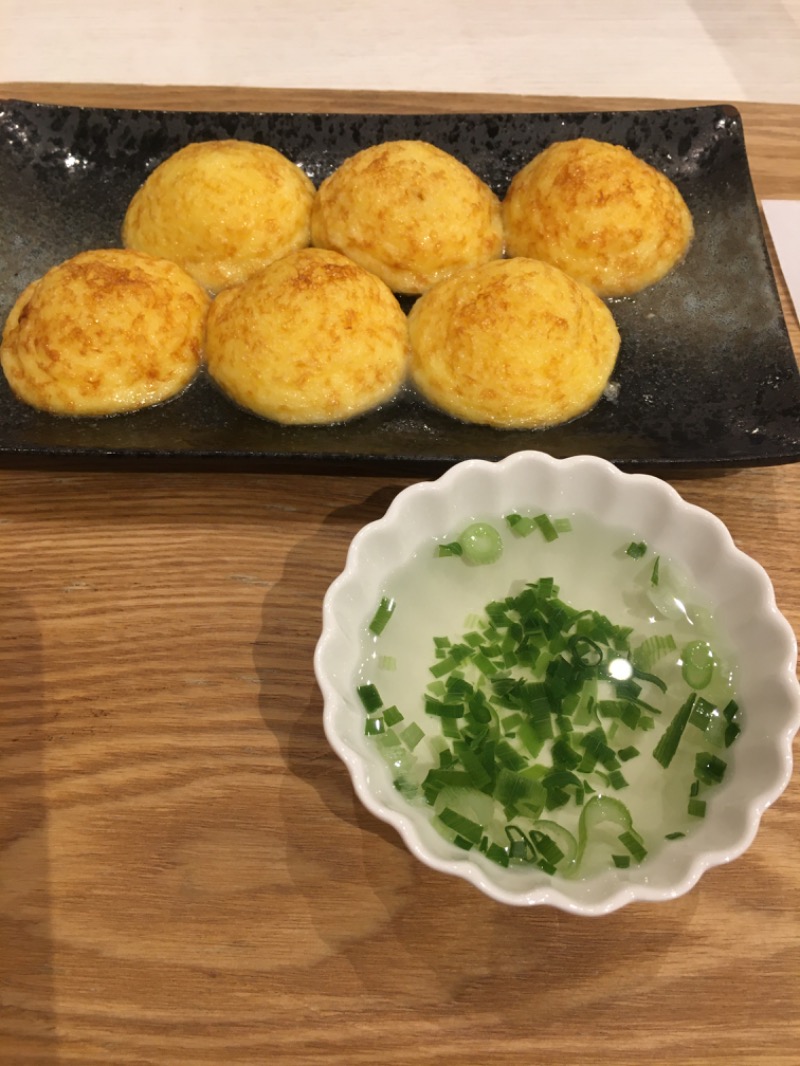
[107, 331]
[223, 210]
[409, 212]
[600, 213]
[313, 338]
[513, 344]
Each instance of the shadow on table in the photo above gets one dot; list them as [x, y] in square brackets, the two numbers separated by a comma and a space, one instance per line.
[28, 1030]
[380, 911]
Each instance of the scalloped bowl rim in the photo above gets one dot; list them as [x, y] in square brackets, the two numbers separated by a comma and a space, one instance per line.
[635, 496]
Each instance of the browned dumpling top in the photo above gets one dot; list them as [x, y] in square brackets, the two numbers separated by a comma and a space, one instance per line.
[410, 212]
[513, 344]
[104, 332]
[221, 209]
[313, 338]
[598, 212]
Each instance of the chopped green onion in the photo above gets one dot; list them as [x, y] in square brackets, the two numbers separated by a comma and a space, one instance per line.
[546, 588]
[621, 861]
[444, 666]
[626, 754]
[730, 710]
[520, 526]
[382, 615]
[548, 530]
[652, 679]
[704, 715]
[456, 654]
[654, 573]
[509, 756]
[636, 549]
[596, 746]
[495, 853]
[484, 664]
[436, 780]
[562, 525]
[709, 769]
[617, 780]
[627, 688]
[547, 848]
[465, 827]
[412, 735]
[392, 716]
[530, 739]
[387, 662]
[512, 723]
[388, 739]
[651, 650]
[405, 787]
[373, 726]
[473, 764]
[664, 751]
[454, 548]
[518, 844]
[459, 687]
[558, 835]
[564, 756]
[675, 836]
[732, 731]
[626, 711]
[633, 842]
[697, 808]
[370, 697]
[442, 709]
[514, 790]
[584, 650]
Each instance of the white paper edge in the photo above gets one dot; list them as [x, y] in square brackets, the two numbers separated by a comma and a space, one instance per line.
[783, 219]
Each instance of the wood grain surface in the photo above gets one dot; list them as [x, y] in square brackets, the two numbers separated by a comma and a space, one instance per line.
[186, 876]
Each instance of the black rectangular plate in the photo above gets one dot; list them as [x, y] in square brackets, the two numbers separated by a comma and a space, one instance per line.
[706, 375]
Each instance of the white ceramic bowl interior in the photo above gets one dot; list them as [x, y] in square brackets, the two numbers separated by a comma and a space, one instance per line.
[760, 639]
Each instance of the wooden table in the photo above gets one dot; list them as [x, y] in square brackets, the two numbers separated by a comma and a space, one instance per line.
[185, 874]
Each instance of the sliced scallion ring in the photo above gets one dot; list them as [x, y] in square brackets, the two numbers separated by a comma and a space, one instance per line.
[481, 544]
[698, 664]
[597, 810]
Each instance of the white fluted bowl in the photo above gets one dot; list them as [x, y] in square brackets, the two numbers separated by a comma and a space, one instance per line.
[760, 638]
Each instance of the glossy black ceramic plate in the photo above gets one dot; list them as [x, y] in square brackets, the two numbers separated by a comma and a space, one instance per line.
[706, 375]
